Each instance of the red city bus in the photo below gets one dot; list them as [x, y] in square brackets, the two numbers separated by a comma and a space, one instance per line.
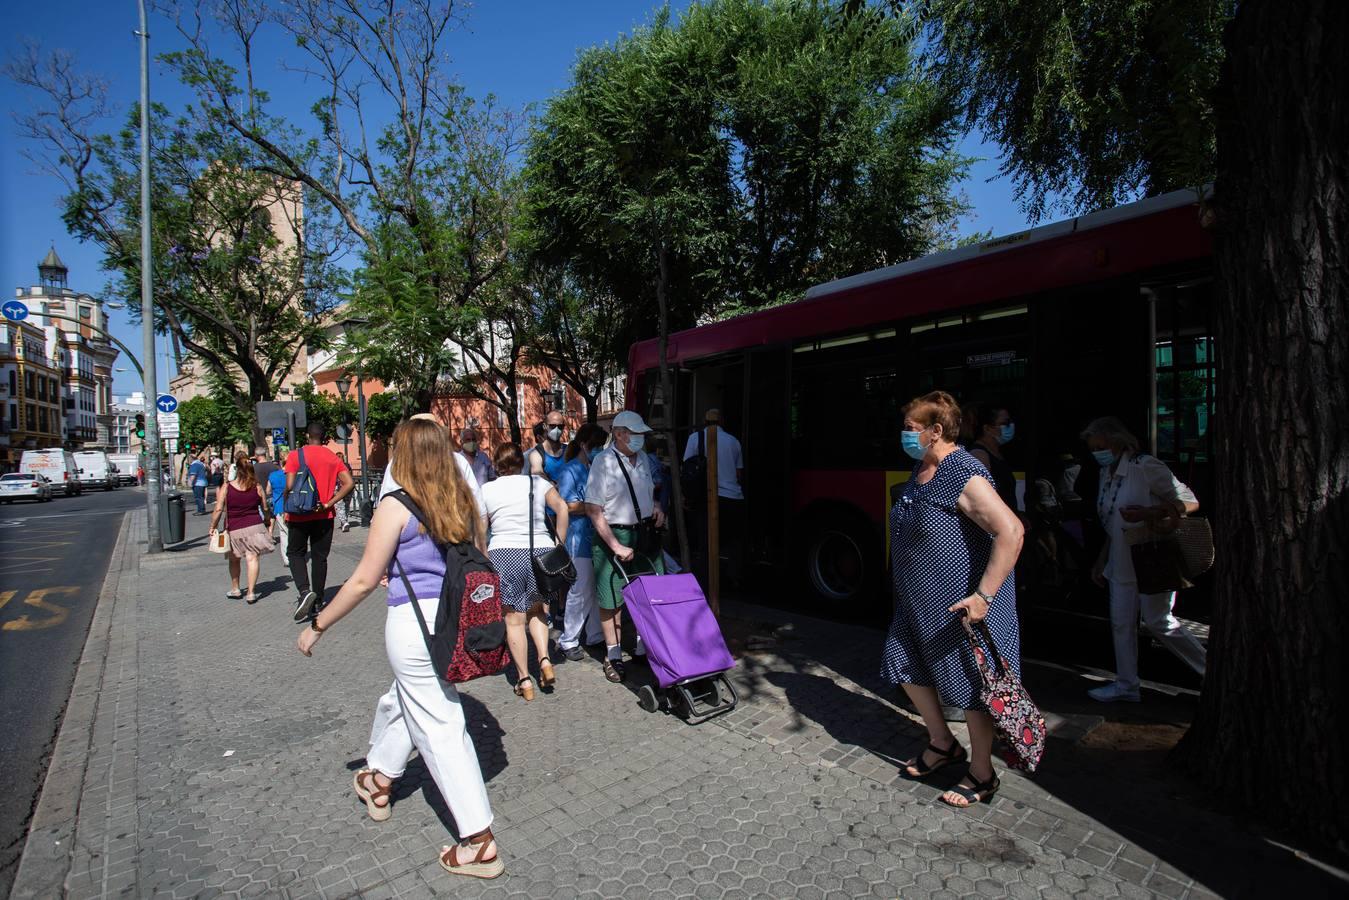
[1107, 313]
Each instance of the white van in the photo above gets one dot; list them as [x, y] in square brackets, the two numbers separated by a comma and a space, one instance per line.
[127, 465]
[58, 465]
[96, 470]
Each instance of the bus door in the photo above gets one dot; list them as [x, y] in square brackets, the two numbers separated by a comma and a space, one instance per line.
[766, 440]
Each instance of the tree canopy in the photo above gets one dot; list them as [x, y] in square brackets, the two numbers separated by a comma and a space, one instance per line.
[1093, 103]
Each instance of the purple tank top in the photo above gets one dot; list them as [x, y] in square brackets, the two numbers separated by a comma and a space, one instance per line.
[423, 564]
[241, 508]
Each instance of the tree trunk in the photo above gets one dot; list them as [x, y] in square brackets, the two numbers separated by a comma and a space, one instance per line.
[667, 396]
[1272, 724]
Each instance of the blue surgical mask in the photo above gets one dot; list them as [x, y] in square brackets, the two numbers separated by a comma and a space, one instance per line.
[636, 442]
[1104, 457]
[912, 444]
[1006, 433]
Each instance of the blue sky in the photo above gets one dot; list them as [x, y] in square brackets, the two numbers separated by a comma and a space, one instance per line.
[519, 50]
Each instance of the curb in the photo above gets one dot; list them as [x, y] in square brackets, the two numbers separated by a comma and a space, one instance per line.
[50, 845]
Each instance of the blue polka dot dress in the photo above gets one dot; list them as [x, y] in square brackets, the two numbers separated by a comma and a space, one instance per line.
[938, 556]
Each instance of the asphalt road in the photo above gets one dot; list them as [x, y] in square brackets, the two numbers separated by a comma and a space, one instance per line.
[53, 558]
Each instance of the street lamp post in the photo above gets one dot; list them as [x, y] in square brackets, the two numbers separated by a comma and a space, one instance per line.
[154, 541]
[343, 386]
[367, 507]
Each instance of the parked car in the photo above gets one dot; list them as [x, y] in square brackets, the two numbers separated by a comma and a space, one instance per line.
[96, 470]
[58, 466]
[17, 486]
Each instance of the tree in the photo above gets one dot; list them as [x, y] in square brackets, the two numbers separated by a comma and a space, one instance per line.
[214, 422]
[429, 191]
[1093, 102]
[1270, 723]
[327, 410]
[241, 274]
[383, 412]
[736, 157]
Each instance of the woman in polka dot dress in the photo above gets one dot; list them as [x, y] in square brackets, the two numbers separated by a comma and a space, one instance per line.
[953, 543]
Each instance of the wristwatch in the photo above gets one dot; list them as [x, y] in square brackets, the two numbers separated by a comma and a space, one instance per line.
[988, 598]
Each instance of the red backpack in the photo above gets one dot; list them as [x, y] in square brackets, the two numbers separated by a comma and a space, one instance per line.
[470, 637]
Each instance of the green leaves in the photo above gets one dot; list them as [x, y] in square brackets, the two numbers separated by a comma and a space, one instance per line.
[767, 145]
[1094, 101]
[215, 422]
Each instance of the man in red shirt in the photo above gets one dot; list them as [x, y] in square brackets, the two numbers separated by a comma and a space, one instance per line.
[312, 533]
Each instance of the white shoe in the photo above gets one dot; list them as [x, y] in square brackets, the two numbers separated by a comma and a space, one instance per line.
[1113, 693]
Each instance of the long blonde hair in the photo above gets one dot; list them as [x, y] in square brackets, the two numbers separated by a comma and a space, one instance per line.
[423, 464]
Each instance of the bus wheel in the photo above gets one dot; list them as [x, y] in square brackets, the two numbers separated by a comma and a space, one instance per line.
[838, 564]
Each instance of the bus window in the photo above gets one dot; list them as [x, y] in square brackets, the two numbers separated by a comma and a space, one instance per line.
[845, 412]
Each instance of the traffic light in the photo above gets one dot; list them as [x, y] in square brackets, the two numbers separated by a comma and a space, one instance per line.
[140, 425]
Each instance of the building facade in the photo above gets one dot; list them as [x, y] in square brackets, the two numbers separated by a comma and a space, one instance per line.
[74, 333]
[124, 412]
[33, 393]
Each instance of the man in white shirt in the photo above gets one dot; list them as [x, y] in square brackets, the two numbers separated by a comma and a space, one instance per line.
[730, 499]
[389, 485]
[618, 477]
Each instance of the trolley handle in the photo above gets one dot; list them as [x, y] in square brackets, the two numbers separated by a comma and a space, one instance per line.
[627, 579]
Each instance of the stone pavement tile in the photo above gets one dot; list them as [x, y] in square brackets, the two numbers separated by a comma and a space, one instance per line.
[222, 764]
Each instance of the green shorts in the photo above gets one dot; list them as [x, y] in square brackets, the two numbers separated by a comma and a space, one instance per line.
[609, 582]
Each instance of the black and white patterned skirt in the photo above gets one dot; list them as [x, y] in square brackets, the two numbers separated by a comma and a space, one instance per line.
[518, 589]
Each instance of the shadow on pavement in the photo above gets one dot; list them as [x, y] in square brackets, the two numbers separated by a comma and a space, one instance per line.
[1114, 773]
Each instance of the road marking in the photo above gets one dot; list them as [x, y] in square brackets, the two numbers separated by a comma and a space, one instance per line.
[15, 523]
[37, 600]
[5, 597]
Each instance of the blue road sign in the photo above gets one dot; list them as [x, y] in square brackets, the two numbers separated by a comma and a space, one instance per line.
[278, 435]
[166, 403]
[15, 311]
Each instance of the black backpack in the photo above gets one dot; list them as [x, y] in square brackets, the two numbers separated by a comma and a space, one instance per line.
[693, 473]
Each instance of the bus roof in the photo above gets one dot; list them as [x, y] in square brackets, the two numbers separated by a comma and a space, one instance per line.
[1158, 231]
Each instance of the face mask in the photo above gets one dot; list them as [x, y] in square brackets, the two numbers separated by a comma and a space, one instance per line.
[912, 443]
[1006, 433]
[470, 446]
[1104, 457]
[554, 434]
[636, 442]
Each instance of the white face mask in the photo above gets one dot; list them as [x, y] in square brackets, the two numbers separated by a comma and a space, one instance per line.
[636, 442]
[470, 446]
[555, 433]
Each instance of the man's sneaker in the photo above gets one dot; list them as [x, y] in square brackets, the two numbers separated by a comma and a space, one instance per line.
[575, 654]
[346, 526]
[1113, 693]
[305, 605]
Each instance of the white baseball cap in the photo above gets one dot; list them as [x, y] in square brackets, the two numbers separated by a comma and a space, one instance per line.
[631, 421]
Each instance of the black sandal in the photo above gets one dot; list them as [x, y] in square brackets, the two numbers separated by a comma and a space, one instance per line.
[981, 792]
[948, 757]
[614, 670]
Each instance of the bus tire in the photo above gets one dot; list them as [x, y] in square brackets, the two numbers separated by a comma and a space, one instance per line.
[842, 557]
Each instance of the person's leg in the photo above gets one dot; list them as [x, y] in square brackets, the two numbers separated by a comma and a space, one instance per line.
[252, 563]
[517, 642]
[925, 700]
[1124, 627]
[340, 516]
[234, 572]
[297, 545]
[733, 542]
[580, 606]
[390, 743]
[320, 544]
[199, 495]
[537, 623]
[980, 725]
[1158, 619]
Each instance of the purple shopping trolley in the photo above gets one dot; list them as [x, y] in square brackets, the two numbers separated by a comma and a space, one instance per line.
[684, 646]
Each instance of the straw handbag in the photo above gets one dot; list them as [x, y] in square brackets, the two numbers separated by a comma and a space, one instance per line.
[221, 542]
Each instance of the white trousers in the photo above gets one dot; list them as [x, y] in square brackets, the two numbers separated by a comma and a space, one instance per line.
[582, 611]
[1127, 605]
[421, 711]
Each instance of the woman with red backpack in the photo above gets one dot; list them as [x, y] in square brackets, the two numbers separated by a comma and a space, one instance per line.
[420, 711]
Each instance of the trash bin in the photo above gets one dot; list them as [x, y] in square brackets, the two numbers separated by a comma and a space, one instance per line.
[172, 517]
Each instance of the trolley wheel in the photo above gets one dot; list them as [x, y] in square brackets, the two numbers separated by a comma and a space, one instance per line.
[647, 699]
[725, 693]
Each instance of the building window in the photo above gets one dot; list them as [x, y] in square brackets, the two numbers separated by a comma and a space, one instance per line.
[42, 419]
[14, 416]
[29, 384]
[13, 383]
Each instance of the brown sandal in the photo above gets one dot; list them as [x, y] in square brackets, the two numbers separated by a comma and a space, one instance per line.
[374, 793]
[525, 688]
[477, 867]
[547, 677]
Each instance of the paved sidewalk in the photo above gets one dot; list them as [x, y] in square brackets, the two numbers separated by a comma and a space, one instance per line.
[216, 760]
